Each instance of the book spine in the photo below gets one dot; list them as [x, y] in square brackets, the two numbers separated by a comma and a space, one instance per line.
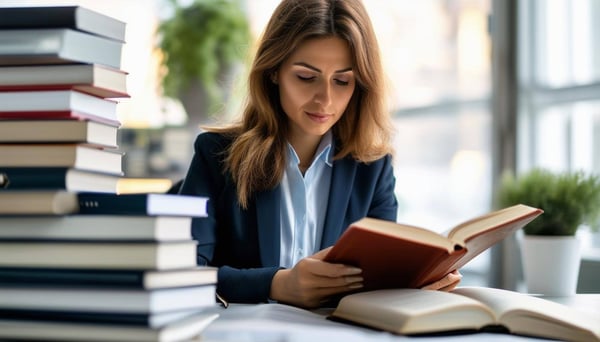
[62, 114]
[29, 18]
[89, 89]
[125, 319]
[94, 204]
[33, 178]
[79, 278]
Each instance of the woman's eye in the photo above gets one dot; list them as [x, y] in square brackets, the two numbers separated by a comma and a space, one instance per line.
[342, 82]
[305, 78]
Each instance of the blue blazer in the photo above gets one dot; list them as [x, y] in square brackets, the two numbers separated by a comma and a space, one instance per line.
[244, 244]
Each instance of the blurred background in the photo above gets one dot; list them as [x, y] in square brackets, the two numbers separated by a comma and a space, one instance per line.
[476, 87]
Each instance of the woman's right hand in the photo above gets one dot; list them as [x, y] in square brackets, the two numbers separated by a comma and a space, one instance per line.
[312, 281]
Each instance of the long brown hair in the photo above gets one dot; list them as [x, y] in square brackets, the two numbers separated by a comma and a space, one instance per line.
[257, 155]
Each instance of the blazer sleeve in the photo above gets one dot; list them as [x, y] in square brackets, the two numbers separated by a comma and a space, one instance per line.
[225, 237]
[203, 178]
[384, 204]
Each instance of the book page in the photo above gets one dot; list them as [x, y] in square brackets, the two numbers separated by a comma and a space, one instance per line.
[413, 311]
[529, 315]
[489, 221]
[479, 234]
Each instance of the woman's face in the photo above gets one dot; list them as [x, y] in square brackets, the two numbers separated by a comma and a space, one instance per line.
[315, 84]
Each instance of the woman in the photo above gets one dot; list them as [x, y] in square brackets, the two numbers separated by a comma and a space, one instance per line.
[310, 155]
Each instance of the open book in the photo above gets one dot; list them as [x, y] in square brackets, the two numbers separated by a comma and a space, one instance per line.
[414, 311]
[394, 255]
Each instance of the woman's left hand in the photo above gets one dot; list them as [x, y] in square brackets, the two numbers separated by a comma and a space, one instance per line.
[448, 283]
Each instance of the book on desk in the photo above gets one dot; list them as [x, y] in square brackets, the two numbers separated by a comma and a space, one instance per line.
[76, 180]
[92, 79]
[57, 46]
[421, 312]
[60, 17]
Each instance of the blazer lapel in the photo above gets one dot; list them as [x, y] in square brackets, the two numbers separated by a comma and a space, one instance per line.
[342, 176]
[268, 219]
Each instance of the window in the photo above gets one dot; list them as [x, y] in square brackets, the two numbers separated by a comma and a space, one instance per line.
[559, 85]
[559, 91]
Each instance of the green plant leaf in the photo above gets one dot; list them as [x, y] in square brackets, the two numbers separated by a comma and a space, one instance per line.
[199, 41]
[569, 199]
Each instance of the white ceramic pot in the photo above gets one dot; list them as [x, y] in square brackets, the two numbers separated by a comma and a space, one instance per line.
[551, 264]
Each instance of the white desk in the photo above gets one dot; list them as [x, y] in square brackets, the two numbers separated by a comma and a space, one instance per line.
[282, 323]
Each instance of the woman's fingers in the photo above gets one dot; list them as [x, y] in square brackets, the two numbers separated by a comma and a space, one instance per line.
[327, 275]
[448, 283]
[320, 255]
[312, 281]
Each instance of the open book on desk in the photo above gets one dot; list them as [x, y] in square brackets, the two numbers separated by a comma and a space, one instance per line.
[414, 311]
[394, 255]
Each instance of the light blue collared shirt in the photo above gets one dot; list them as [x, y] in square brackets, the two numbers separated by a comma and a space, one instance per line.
[304, 203]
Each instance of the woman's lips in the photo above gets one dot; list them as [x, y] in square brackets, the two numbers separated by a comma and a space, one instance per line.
[318, 117]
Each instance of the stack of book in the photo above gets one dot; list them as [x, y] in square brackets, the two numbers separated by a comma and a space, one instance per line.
[60, 78]
[81, 258]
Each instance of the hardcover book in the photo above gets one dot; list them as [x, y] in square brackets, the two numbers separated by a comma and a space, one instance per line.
[142, 204]
[107, 118]
[96, 228]
[138, 320]
[395, 255]
[75, 180]
[186, 329]
[413, 311]
[91, 79]
[61, 155]
[73, 17]
[107, 300]
[38, 203]
[98, 255]
[53, 104]
[57, 178]
[117, 279]
[58, 131]
[57, 46]
[53, 202]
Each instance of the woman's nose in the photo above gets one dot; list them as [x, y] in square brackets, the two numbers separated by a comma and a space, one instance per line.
[323, 94]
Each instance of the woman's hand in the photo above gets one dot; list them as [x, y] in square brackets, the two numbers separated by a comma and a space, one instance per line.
[312, 281]
[448, 283]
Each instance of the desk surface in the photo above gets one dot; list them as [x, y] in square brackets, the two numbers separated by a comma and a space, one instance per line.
[276, 322]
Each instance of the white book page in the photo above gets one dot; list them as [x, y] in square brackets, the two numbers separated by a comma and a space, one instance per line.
[504, 301]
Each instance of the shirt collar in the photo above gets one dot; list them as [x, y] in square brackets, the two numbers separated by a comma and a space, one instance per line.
[322, 153]
[325, 146]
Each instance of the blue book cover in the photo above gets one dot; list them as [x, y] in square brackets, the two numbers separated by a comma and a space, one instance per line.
[56, 178]
[142, 204]
[74, 17]
[108, 278]
[125, 319]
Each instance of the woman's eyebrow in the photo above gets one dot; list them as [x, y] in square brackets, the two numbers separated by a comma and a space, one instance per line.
[306, 65]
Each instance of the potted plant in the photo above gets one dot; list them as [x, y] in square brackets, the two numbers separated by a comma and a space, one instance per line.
[200, 44]
[570, 200]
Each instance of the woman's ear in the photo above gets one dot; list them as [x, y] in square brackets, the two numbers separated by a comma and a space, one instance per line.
[274, 77]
